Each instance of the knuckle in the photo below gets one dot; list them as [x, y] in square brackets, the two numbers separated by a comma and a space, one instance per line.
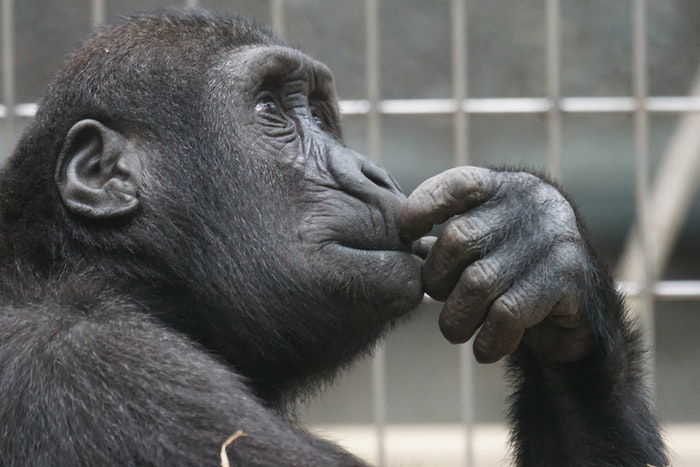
[570, 264]
[548, 198]
[458, 179]
[456, 237]
[568, 254]
[446, 196]
[475, 178]
[427, 185]
[431, 197]
[481, 275]
[529, 179]
[506, 307]
[465, 231]
[520, 181]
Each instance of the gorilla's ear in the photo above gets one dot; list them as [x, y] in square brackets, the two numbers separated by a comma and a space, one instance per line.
[97, 172]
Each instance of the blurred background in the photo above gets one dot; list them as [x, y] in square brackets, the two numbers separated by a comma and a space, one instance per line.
[602, 94]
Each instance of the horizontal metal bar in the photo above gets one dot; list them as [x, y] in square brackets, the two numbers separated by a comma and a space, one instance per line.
[354, 107]
[666, 290]
[534, 105]
[21, 110]
[673, 104]
[598, 104]
[418, 106]
[525, 105]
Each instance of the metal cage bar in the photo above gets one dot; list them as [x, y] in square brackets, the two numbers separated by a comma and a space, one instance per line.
[460, 89]
[374, 142]
[645, 303]
[7, 59]
[664, 290]
[492, 106]
[553, 88]
[277, 16]
[461, 157]
[97, 12]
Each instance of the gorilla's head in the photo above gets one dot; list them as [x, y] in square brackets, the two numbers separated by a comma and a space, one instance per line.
[195, 163]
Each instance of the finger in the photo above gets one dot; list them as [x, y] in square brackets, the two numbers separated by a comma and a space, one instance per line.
[443, 196]
[423, 245]
[466, 307]
[462, 242]
[524, 305]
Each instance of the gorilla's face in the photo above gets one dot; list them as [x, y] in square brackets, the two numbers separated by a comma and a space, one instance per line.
[327, 212]
[245, 211]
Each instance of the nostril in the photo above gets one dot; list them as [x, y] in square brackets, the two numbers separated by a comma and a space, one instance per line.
[379, 177]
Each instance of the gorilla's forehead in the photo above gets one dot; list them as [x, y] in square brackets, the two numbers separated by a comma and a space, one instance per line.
[251, 65]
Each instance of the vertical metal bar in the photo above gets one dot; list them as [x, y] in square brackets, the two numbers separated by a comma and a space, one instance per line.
[8, 75]
[374, 148]
[641, 158]
[459, 81]
[461, 157]
[97, 12]
[379, 401]
[553, 88]
[277, 16]
[373, 79]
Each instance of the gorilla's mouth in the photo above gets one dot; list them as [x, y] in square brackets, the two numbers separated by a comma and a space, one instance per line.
[381, 277]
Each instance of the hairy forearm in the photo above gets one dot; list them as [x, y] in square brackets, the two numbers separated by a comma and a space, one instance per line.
[592, 412]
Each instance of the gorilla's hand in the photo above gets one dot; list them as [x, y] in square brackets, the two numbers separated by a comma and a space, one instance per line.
[512, 260]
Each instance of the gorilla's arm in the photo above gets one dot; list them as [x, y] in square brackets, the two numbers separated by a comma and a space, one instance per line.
[514, 264]
[590, 412]
[114, 388]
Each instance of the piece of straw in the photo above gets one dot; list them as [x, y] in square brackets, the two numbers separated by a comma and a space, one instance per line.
[231, 439]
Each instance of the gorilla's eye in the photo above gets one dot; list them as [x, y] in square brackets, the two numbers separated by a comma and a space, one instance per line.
[319, 117]
[267, 105]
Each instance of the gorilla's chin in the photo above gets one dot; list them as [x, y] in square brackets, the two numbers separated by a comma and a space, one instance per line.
[386, 280]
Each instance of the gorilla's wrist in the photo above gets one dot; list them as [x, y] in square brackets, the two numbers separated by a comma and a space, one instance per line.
[602, 363]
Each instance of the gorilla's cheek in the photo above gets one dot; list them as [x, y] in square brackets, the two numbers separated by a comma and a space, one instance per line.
[354, 252]
[387, 281]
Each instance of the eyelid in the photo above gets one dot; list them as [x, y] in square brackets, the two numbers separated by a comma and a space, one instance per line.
[264, 95]
[325, 110]
[321, 107]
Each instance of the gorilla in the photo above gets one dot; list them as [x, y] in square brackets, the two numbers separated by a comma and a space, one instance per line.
[188, 246]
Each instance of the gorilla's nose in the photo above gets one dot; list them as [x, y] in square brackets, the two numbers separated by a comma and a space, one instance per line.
[379, 176]
[361, 177]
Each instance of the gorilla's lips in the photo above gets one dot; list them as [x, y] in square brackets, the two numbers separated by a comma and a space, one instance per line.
[383, 274]
[379, 234]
